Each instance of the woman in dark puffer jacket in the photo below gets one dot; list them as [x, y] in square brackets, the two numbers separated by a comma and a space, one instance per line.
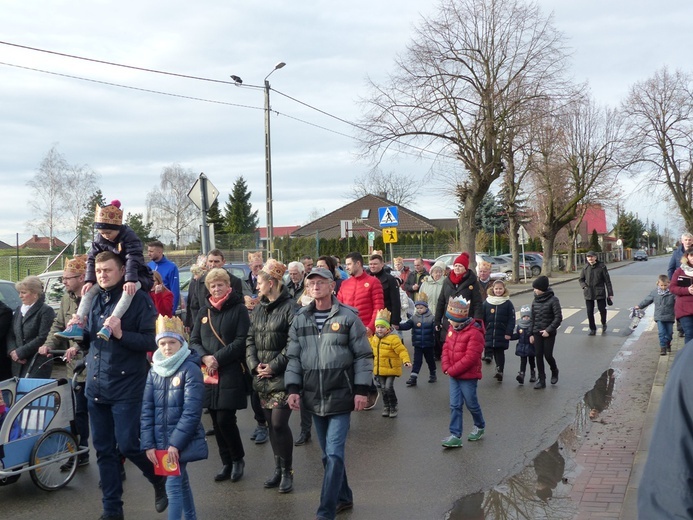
[462, 281]
[266, 357]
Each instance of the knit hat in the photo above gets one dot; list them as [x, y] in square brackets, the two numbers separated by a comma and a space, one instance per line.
[525, 310]
[109, 217]
[170, 328]
[77, 265]
[440, 265]
[275, 269]
[457, 310]
[541, 283]
[462, 259]
[422, 299]
[382, 318]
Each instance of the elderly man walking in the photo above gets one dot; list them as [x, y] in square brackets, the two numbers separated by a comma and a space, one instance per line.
[116, 376]
[331, 361]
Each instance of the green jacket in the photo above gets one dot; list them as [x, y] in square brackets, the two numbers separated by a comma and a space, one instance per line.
[68, 307]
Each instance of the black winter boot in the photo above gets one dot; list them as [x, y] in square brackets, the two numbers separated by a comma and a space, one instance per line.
[520, 378]
[393, 404]
[274, 480]
[532, 376]
[540, 384]
[386, 404]
[287, 482]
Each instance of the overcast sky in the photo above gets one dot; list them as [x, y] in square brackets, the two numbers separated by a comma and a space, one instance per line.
[128, 136]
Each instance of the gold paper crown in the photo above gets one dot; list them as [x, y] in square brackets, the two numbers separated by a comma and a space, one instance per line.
[422, 297]
[172, 325]
[383, 315]
[110, 215]
[77, 264]
[252, 257]
[274, 268]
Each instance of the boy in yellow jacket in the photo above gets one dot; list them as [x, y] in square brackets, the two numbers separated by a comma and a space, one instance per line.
[389, 355]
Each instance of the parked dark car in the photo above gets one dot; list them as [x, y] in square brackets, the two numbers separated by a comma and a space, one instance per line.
[640, 255]
[9, 295]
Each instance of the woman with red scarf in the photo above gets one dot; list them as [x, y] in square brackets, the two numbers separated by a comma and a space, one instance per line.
[219, 335]
[462, 281]
[162, 297]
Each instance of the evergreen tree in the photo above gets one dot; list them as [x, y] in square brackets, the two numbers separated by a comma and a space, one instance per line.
[86, 224]
[239, 217]
[594, 242]
[142, 230]
[630, 229]
[215, 217]
[490, 215]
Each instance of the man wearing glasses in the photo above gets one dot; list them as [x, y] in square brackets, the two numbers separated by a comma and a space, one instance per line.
[73, 280]
[331, 361]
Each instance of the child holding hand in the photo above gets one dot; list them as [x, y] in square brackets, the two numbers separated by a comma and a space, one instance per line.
[390, 354]
[664, 314]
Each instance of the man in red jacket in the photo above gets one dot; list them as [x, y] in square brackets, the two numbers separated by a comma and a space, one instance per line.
[364, 293]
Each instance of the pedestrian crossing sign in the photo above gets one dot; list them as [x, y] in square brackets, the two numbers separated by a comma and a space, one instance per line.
[390, 235]
[388, 216]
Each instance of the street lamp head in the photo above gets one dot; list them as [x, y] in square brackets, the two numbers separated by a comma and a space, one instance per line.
[236, 80]
[280, 65]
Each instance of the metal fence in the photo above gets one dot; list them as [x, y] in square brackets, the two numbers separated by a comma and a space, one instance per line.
[15, 268]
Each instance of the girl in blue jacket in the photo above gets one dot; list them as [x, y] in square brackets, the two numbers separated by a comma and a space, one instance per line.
[172, 413]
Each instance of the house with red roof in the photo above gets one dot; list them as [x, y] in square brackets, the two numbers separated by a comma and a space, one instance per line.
[42, 243]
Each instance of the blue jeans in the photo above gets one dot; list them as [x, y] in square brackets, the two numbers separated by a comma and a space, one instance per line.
[666, 332]
[331, 431]
[463, 392]
[180, 497]
[687, 326]
[115, 429]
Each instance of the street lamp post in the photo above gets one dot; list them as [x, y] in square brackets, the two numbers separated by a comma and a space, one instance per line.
[268, 164]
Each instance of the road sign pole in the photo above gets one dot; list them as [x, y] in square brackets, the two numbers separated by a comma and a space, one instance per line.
[205, 227]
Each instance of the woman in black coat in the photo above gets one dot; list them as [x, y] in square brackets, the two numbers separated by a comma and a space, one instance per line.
[266, 357]
[219, 336]
[461, 282]
[31, 324]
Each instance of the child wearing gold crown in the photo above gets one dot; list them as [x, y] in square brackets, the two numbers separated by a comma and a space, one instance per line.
[423, 336]
[172, 413]
[120, 239]
[461, 360]
[389, 355]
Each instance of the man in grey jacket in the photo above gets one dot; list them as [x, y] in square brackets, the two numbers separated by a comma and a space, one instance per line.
[331, 360]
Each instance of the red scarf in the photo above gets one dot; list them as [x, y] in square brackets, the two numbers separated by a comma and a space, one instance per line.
[217, 303]
[455, 278]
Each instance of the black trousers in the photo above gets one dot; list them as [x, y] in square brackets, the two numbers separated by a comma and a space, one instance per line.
[543, 349]
[227, 435]
[601, 305]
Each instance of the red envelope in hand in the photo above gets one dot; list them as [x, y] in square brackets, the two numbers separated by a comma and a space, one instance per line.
[165, 468]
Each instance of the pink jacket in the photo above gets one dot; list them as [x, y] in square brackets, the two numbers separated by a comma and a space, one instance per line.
[462, 351]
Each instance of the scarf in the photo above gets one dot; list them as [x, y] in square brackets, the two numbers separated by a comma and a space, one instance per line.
[455, 278]
[497, 300]
[218, 303]
[461, 324]
[662, 292]
[687, 269]
[167, 366]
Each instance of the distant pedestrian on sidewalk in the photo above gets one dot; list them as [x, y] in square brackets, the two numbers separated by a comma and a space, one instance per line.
[682, 287]
[546, 318]
[499, 320]
[525, 348]
[461, 360]
[663, 300]
[596, 285]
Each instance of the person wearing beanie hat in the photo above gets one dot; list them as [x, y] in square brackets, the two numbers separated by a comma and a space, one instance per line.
[120, 239]
[596, 287]
[462, 282]
[546, 317]
[524, 349]
[423, 336]
[389, 355]
[461, 360]
[433, 286]
[171, 431]
[499, 319]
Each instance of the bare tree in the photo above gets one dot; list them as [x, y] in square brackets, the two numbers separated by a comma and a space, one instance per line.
[399, 188]
[168, 207]
[81, 182]
[575, 161]
[48, 186]
[660, 124]
[461, 80]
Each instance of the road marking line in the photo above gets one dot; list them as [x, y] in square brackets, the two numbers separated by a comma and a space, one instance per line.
[568, 330]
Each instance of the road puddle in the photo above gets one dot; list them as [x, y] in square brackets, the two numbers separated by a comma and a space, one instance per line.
[542, 489]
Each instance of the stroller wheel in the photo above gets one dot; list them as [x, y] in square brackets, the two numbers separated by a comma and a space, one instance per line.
[53, 450]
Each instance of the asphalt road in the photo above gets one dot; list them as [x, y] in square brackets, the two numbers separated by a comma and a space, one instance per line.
[397, 468]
